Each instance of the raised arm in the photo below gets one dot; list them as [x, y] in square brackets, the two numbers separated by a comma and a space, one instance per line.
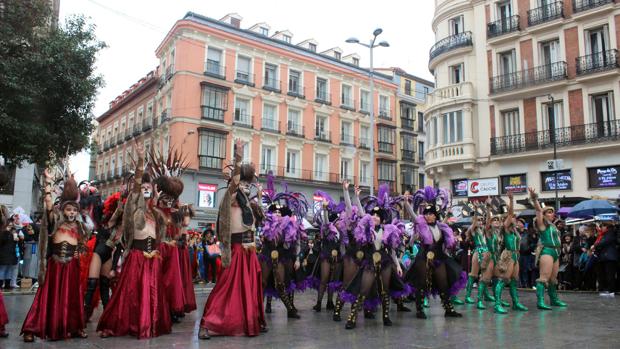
[540, 222]
[47, 191]
[137, 178]
[236, 173]
[356, 200]
[474, 225]
[511, 212]
[489, 214]
[408, 207]
[347, 198]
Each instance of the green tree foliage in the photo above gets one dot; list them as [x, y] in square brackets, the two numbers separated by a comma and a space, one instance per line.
[47, 82]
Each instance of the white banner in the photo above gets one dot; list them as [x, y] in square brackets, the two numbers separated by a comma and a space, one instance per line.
[206, 195]
[482, 187]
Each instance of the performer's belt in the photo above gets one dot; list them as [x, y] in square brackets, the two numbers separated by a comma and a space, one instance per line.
[63, 252]
[246, 237]
[148, 247]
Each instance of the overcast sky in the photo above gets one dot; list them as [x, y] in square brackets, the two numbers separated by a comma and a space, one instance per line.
[132, 29]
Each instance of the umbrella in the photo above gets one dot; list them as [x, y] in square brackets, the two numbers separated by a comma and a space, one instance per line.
[23, 217]
[463, 222]
[527, 213]
[564, 211]
[591, 208]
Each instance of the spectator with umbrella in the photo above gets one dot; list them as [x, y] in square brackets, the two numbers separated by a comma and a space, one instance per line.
[606, 251]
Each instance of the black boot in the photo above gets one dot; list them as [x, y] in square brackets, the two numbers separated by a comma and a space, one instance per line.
[88, 298]
[268, 305]
[291, 311]
[337, 309]
[419, 305]
[369, 314]
[400, 305]
[330, 305]
[448, 307]
[352, 319]
[292, 299]
[385, 307]
[104, 290]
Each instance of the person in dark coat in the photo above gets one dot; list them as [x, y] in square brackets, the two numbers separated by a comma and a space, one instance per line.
[8, 256]
[606, 250]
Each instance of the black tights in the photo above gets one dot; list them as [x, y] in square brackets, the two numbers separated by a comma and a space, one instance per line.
[440, 276]
[368, 280]
[326, 276]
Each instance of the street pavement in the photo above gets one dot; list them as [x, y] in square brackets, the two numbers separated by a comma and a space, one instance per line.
[588, 322]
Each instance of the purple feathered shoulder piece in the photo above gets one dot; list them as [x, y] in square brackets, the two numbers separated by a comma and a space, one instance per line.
[271, 227]
[426, 237]
[393, 234]
[364, 232]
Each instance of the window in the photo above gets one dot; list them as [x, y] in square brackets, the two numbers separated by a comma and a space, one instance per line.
[452, 127]
[407, 112]
[271, 76]
[140, 117]
[268, 159]
[212, 149]
[420, 151]
[597, 40]
[421, 180]
[287, 38]
[384, 107]
[364, 101]
[364, 172]
[120, 163]
[245, 152]
[456, 25]
[507, 62]
[214, 102]
[292, 163]
[320, 167]
[346, 169]
[264, 31]
[408, 178]
[244, 68]
[130, 123]
[337, 55]
[321, 89]
[510, 122]
[387, 171]
[504, 11]
[420, 121]
[365, 137]
[294, 122]
[346, 133]
[270, 120]
[294, 82]
[356, 61]
[602, 111]
[346, 99]
[386, 139]
[408, 146]
[312, 47]
[456, 73]
[242, 112]
[321, 127]
[214, 62]
[149, 113]
[550, 52]
[113, 166]
[434, 132]
[552, 111]
[408, 87]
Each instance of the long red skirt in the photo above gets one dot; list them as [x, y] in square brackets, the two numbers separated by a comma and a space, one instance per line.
[173, 282]
[188, 281]
[138, 306]
[4, 318]
[235, 306]
[57, 310]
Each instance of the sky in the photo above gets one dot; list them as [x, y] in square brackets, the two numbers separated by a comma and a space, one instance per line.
[132, 30]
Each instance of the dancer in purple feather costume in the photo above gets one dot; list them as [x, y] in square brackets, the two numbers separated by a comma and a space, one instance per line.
[433, 271]
[282, 234]
[378, 235]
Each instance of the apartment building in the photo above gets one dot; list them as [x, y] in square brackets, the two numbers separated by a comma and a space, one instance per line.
[532, 74]
[302, 112]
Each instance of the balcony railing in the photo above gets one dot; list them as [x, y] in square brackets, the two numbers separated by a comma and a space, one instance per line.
[385, 147]
[347, 139]
[408, 154]
[295, 90]
[324, 136]
[529, 77]
[271, 84]
[503, 26]
[364, 107]
[597, 62]
[128, 133]
[295, 129]
[137, 129]
[205, 161]
[271, 125]
[323, 97]
[449, 94]
[243, 119]
[245, 78]
[545, 13]
[215, 69]
[165, 116]
[212, 113]
[364, 143]
[408, 124]
[146, 125]
[451, 43]
[385, 114]
[301, 174]
[564, 136]
[347, 103]
[584, 5]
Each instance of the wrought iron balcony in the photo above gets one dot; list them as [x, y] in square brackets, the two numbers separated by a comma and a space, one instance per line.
[385, 147]
[295, 129]
[136, 129]
[212, 113]
[545, 13]
[323, 136]
[243, 119]
[146, 125]
[212, 162]
[301, 174]
[565, 136]
[215, 69]
[271, 84]
[347, 139]
[451, 43]
[364, 107]
[407, 124]
[323, 97]
[529, 77]
[503, 26]
[364, 143]
[294, 90]
[408, 154]
[384, 113]
[584, 5]
[243, 77]
[128, 134]
[597, 62]
[347, 103]
[271, 125]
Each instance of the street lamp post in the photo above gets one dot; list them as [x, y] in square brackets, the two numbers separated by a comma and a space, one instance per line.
[551, 112]
[371, 45]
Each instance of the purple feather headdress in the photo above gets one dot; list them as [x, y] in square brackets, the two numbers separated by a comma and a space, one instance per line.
[270, 228]
[440, 198]
[393, 234]
[384, 201]
[364, 232]
[296, 202]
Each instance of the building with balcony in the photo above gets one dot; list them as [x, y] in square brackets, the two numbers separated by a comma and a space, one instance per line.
[302, 113]
[410, 142]
[552, 75]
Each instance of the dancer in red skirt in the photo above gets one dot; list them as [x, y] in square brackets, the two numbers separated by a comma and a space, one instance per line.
[4, 318]
[56, 312]
[235, 306]
[138, 306]
[186, 212]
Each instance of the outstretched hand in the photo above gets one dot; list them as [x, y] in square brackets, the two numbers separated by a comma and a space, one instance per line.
[345, 184]
[358, 191]
[532, 192]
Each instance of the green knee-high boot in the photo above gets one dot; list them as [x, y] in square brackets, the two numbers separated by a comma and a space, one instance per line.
[515, 297]
[456, 301]
[553, 296]
[502, 302]
[499, 287]
[468, 288]
[487, 296]
[482, 289]
[540, 296]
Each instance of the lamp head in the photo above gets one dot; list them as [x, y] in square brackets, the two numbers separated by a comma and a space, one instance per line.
[384, 44]
[377, 32]
[352, 41]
